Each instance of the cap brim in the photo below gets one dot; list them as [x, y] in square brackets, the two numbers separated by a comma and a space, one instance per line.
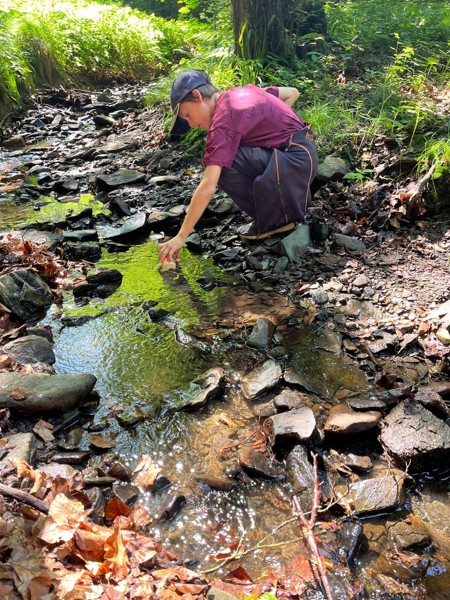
[178, 126]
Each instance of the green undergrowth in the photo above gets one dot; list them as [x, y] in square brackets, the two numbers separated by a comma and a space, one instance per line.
[76, 40]
[379, 77]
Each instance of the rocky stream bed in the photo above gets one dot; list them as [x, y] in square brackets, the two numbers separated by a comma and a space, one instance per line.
[204, 393]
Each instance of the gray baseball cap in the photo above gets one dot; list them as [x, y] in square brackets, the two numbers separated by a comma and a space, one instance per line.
[183, 85]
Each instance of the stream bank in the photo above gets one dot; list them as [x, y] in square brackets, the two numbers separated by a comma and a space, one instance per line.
[331, 335]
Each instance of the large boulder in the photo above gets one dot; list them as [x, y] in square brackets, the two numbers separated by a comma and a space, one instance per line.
[25, 294]
[413, 436]
[31, 394]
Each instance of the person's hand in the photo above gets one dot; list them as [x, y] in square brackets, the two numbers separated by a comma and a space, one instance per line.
[171, 248]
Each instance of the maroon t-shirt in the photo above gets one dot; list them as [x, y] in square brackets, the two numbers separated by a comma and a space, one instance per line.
[248, 116]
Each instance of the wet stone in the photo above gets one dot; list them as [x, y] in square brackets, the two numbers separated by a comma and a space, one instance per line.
[126, 492]
[384, 492]
[298, 425]
[32, 394]
[97, 503]
[84, 235]
[289, 399]
[343, 420]
[135, 225]
[25, 293]
[120, 471]
[367, 404]
[104, 276]
[406, 536]
[30, 349]
[211, 383]
[161, 482]
[171, 506]
[356, 463]
[70, 458]
[261, 379]
[221, 484]
[261, 334]
[350, 537]
[89, 251]
[413, 435]
[260, 464]
[300, 474]
[43, 331]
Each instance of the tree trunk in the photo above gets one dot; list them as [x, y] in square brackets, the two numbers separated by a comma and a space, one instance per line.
[262, 28]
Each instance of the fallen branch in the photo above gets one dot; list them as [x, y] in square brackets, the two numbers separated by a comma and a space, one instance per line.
[418, 190]
[308, 533]
[10, 492]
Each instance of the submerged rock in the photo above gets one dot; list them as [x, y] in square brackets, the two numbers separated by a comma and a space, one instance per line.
[261, 334]
[25, 293]
[30, 394]
[211, 383]
[260, 464]
[413, 435]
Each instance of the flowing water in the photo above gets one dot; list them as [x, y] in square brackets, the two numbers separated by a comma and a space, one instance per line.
[145, 370]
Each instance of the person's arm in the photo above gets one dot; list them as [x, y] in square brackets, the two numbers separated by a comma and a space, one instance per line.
[200, 200]
[288, 94]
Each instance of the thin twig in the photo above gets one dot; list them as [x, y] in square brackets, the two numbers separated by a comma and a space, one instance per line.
[24, 497]
[308, 532]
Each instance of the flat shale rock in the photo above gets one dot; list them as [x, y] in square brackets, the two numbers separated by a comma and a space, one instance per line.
[211, 383]
[343, 420]
[300, 474]
[261, 334]
[30, 349]
[413, 435]
[31, 394]
[260, 464]
[120, 178]
[297, 425]
[134, 225]
[262, 379]
[20, 447]
[379, 493]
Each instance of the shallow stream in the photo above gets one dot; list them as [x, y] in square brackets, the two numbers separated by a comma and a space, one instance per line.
[145, 370]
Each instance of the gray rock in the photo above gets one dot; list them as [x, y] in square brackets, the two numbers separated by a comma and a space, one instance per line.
[120, 178]
[289, 399]
[413, 435]
[104, 276]
[332, 168]
[281, 265]
[343, 420]
[261, 379]
[171, 506]
[349, 243]
[126, 492]
[43, 238]
[382, 492]
[135, 225]
[30, 349]
[298, 425]
[211, 384]
[432, 401]
[54, 470]
[37, 394]
[259, 464]
[103, 120]
[89, 251]
[358, 464]
[25, 293]
[44, 332]
[261, 334]
[300, 474]
[161, 179]
[85, 235]
[293, 245]
[405, 536]
[20, 447]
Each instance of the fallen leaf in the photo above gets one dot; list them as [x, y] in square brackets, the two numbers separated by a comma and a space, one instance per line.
[115, 555]
[146, 472]
[102, 440]
[18, 394]
[43, 430]
[115, 508]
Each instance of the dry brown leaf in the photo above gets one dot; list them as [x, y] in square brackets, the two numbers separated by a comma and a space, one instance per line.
[102, 440]
[44, 431]
[115, 508]
[64, 516]
[18, 394]
[115, 556]
[146, 472]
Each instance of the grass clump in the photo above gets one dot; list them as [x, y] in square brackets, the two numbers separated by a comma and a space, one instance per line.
[47, 42]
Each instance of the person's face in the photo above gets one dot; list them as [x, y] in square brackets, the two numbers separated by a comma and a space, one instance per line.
[197, 112]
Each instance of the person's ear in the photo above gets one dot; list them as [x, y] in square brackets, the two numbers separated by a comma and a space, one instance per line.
[197, 95]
